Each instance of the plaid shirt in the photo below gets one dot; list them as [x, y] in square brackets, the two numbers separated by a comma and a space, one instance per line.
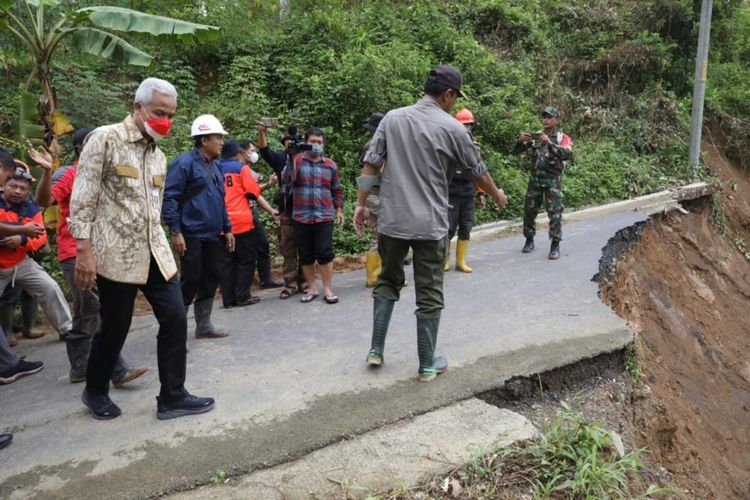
[317, 190]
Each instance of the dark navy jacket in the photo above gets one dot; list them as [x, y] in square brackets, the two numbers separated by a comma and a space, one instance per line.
[194, 198]
[277, 161]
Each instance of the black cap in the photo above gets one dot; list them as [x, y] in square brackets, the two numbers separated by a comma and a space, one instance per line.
[230, 148]
[373, 122]
[289, 133]
[448, 76]
[80, 135]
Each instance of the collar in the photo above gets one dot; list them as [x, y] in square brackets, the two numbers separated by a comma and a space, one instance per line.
[229, 161]
[209, 163]
[134, 135]
[14, 207]
[426, 101]
[320, 159]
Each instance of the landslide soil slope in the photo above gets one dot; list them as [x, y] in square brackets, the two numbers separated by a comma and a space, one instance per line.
[685, 288]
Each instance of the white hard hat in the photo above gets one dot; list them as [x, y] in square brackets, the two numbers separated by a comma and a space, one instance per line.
[206, 124]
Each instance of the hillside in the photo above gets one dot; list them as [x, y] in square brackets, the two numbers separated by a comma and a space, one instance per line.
[620, 71]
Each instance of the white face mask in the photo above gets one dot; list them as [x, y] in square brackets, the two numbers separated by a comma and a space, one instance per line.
[253, 157]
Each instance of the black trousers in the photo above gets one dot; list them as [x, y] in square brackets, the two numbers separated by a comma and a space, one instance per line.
[239, 267]
[461, 217]
[263, 249]
[116, 301]
[200, 269]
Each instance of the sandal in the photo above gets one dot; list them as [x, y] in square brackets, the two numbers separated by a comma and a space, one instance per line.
[309, 297]
[331, 299]
[287, 292]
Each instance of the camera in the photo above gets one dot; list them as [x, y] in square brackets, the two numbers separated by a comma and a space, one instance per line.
[296, 143]
[536, 135]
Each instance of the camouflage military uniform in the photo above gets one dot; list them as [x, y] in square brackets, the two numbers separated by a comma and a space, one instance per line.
[545, 183]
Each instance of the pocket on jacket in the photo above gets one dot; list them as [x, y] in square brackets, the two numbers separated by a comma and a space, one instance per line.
[125, 184]
[158, 180]
[127, 171]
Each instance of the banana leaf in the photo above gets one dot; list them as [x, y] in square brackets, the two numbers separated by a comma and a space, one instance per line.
[29, 128]
[127, 20]
[109, 46]
[48, 3]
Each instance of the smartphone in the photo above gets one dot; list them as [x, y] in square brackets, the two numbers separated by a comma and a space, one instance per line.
[270, 122]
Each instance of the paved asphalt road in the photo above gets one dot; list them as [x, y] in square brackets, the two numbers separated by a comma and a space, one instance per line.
[292, 378]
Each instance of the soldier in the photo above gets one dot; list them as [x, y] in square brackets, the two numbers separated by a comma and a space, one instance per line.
[373, 263]
[549, 149]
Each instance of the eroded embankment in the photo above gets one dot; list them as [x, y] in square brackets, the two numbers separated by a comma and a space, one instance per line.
[683, 285]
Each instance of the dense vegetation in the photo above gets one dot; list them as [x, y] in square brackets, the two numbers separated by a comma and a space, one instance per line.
[620, 70]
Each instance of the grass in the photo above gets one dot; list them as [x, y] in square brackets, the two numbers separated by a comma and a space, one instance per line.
[572, 459]
[632, 363]
[219, 478]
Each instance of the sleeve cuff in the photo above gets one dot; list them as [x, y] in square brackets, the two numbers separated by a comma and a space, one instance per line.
[175, 229]
[480, 169]
[373, 159]
[24, 239]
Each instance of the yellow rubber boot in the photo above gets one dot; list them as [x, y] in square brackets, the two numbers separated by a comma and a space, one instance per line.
[372, 268]
[461, 249]
[448, 256]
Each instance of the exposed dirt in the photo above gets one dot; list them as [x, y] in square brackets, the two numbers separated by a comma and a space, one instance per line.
[600, 388]
[684, 288]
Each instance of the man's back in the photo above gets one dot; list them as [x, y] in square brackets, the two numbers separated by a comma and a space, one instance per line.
[425, 146]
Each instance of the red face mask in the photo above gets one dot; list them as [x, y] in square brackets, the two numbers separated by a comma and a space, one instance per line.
[157, 128]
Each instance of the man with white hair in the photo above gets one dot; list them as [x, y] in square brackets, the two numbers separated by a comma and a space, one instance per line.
[115, 217]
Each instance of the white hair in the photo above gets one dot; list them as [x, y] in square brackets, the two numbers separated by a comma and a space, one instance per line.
[149, 86]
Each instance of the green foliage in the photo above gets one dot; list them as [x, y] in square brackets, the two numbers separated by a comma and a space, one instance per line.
[620, 72]
[578, 460]
[632, 362]
[219, 478]
[572, 458]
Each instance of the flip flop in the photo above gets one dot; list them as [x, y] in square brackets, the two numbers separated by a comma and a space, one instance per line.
[331, 299]
[308, 297]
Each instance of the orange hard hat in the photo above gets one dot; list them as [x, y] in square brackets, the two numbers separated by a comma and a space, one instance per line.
[465, 116]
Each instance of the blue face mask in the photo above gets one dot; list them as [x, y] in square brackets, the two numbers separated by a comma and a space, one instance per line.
[317, 149]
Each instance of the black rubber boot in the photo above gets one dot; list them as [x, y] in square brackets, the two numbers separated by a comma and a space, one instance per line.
[429, 366]
[528, 246]
[78, 355]
[381, 317]
[554, 250]
[203, 327]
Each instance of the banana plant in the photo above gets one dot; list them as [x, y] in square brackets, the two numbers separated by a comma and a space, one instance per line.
[42, 28]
